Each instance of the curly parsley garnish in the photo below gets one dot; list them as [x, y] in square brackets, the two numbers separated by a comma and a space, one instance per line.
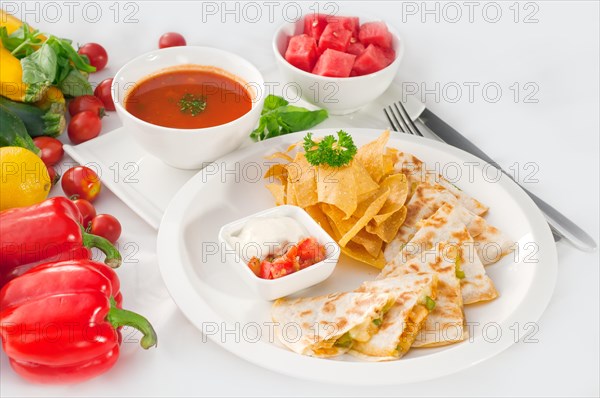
[329, 151]
[192, 104]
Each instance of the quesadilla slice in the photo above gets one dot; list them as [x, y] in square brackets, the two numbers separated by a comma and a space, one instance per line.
[425, 200]
[446, 322]
[415, 296]
[490, 243]
[446, 225]
[328, 326]
[417, 173]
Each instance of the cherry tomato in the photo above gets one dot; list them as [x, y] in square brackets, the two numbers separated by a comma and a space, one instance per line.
[54, 176]
[103, 92]
[84, 126]
[106, 226]
[87, 210]
[171, 39]
[51, 149]
[96, 54]
[81, 182]
[86, 103]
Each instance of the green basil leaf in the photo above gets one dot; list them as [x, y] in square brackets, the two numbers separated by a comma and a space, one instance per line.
[23, 42]
[273, 102]
[75, 84]
[69, 52]
[40, 67]
[258, 134]
[278, 118]
[9, 42]
[298, 119]
[272, 127]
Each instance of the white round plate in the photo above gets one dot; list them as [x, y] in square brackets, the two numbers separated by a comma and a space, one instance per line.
[213, 297]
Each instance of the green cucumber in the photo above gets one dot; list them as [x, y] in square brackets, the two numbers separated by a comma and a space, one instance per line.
[38, 122]
[13, 131]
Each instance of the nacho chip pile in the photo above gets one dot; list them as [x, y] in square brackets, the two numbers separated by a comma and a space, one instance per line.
[360, 205]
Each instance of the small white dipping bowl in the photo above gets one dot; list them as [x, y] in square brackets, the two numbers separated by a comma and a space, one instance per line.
[189, 148]
[339, 95]
[271, 289]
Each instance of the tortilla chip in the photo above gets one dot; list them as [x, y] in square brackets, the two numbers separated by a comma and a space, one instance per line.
[337, 218]
[371, 156]
[389, 160]
[388, 229]
[370, 212]
[277, 171]
[372, 243]
[337, 187]
[290, 197]
[293, 146]
[319, 216]
[364, 183]
[279, 155]
[359, 253]
[304, 181]
[278, 192]
[364, 204]
[398, 186]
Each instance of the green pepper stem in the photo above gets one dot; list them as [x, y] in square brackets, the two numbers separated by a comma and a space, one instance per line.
[118, 317]
[113, 257]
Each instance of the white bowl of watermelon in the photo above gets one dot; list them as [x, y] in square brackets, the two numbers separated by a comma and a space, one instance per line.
[338, 63]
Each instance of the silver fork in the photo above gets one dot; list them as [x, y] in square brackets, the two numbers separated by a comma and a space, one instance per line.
[401, 121]
[405, 123]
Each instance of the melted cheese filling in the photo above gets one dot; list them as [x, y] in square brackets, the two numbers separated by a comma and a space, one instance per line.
[361, 332]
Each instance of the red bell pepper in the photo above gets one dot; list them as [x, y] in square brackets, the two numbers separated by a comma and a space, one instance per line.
[59, 322]
[47, 232]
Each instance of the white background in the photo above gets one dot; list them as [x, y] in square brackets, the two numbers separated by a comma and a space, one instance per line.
[558, 54]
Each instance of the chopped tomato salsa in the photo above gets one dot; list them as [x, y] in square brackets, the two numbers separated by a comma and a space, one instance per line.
[302, 255]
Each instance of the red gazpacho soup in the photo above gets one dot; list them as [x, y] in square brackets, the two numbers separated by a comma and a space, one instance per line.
[189, 98]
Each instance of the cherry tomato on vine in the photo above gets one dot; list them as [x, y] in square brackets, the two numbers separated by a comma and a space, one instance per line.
[84, 126]
[51, 150]
[171, 39]
[86, 103]
[96, 54]
[106, 226]
[81, 182]
[103, 92]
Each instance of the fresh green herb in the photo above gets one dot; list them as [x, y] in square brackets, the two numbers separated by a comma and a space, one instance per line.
[22, 42]
[51, 61]
[194, 105]
[460, 274]
[75, 84]
[429, 303]
[345, 341]
[377, 322]
[335, 153]
[278, 117]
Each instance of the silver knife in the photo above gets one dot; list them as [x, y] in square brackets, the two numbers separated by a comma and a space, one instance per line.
[560, 225]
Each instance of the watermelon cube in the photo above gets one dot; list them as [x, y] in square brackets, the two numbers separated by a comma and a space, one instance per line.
[334, 63]
[355, 47]
[389, 53]
[348, 23]
[371, 60]
[302, 52]
[375, 33]
[335, 37]
[314, 24]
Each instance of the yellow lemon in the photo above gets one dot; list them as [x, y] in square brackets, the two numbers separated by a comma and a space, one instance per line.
[24, 179]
